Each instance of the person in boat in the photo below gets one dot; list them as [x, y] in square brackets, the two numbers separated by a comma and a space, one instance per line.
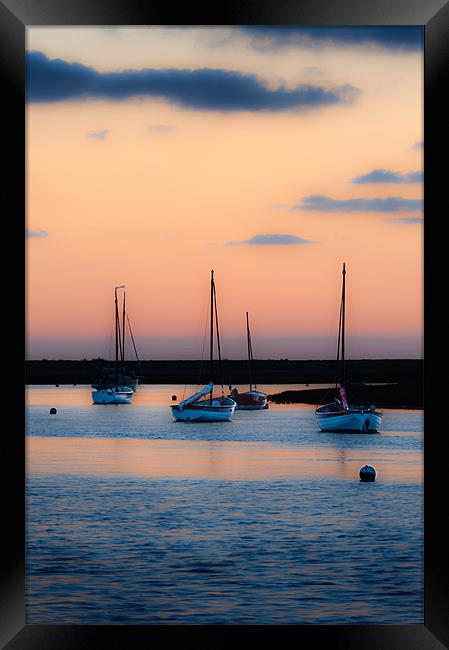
[234, 391]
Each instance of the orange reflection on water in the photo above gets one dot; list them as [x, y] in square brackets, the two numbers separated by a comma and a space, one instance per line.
[212, 460]
[146, 394]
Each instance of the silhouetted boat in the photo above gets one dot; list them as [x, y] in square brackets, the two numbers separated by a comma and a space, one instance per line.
[251, 400]
[115, 392]
[340, 415]
[218, 409]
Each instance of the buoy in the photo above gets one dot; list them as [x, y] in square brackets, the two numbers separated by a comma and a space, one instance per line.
[57, 385]
[53, 411]
[367, 473]
[174, 398]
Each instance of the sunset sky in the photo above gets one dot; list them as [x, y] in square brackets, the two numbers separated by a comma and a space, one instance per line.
[270, 155]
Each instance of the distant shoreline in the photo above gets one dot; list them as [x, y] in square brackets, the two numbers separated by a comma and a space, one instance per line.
[403, 375]
[404, 394]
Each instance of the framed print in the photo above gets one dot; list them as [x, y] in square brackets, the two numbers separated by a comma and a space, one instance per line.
[224, 321]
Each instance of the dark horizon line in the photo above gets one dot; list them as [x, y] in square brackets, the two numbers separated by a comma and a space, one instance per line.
[241, 360]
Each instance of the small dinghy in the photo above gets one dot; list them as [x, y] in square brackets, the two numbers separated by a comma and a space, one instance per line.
[213, 409]
[340, 415]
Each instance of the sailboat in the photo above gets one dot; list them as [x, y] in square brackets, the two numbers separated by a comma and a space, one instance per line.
[115, 392]
[211, 409]
[252, 400]
[340, 415]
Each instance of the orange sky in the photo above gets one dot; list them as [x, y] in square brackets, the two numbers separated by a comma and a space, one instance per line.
[157, 209]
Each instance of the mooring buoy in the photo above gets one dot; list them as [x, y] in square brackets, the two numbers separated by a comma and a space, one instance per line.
[367, 473]
[53, 411]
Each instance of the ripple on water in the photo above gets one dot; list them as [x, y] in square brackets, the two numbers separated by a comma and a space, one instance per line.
[102, 550]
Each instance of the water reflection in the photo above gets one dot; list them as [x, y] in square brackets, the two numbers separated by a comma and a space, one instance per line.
[212, 459]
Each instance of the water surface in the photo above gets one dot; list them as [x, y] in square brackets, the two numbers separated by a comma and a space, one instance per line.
[134, 518]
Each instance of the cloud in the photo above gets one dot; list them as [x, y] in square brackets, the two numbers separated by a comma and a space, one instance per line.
[51, 80]
[161, 128]
[36, 233]
[406, 39]
[385, 176]
[409, 220]
[418, 145]
[390, 204]
[98, 135]
[270, 240]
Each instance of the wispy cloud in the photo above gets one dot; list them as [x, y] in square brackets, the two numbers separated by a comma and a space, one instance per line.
[408, 220]
[161, 128]
[98, 135]
[51, 80]
[386, 176]
[319, 203]
[36, 233]
[271, 240]
[407, 38]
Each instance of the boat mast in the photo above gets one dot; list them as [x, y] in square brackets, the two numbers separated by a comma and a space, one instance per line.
[217, 329]
[123, 334]
[118, 340]
[343, 301]
[211, 347]
[116, 337]
[250, 356]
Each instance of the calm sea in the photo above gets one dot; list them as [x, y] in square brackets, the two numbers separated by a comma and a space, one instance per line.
[133, 518]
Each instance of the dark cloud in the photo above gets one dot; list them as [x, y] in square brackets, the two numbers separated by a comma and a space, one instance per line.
[389, 204]
[201, 89]
[98, 135]
[409, 38]
[36, 233]
[271, 239]
[386, 176]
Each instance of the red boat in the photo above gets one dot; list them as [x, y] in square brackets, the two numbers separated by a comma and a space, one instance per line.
[252, 400]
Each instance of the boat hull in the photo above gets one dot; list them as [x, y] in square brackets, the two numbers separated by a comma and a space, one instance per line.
[350, 421]
[250, 401]
[120, 395]
[204, 412]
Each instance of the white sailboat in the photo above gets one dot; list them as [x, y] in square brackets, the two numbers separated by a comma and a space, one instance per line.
[116, 392]
[340, 415]
[212, 409]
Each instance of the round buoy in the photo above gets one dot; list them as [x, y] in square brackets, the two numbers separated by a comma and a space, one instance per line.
[174, 398]
[75, 384]
[53, 411]
[57, 385]
[367, 473]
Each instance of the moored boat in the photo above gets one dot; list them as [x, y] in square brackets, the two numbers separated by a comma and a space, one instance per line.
[212, 409]
[113, 395]
[115, 391]
[339, 415]
[251, 400]
[195, 409]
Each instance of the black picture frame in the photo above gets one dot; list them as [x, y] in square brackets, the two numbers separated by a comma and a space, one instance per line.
[433, 15]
